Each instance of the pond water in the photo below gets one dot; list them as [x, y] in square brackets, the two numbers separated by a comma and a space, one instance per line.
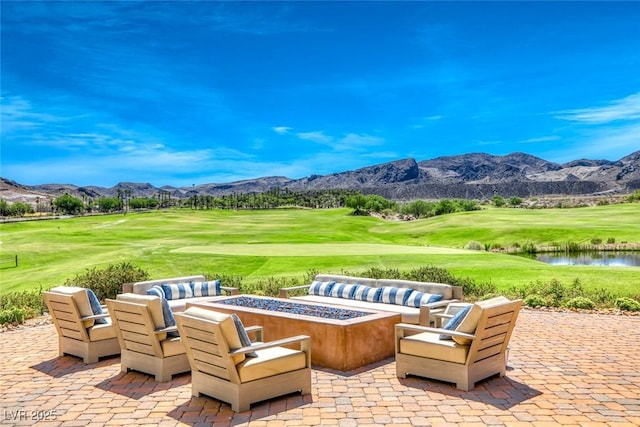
[610, 259]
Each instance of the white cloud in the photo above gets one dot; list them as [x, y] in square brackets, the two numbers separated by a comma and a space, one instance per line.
[316, 136]
[281, 129]
[353, 140]
[622, 109]
[540, 139]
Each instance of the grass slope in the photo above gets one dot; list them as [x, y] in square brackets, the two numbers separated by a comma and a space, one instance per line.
[258, 244]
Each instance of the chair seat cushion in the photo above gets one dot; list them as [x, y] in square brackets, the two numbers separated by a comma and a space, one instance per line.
[429, 345]
[101, 331]
[172, 347]
[269, 362]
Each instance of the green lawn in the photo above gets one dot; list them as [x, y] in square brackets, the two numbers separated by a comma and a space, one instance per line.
[259, 244]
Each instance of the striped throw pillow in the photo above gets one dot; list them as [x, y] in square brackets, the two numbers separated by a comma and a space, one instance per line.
[206, 289]
[321, 288]
[177, 290]
[416, 299]
[364, 293]
[156, 290]
[343, 290]
[392, 295]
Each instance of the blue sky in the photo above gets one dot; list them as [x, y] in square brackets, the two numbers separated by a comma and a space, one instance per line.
[183, 93]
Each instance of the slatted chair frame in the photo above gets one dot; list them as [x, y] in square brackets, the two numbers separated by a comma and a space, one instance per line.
[214, 373]
[140, 342]
[73, 337]
[486, 355]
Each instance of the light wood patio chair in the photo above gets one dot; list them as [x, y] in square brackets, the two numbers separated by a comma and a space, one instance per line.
[476, 351]
[147, 344]
[78, 333]
[221, 367]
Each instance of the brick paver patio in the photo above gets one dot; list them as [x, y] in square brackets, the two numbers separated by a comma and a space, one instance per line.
[565, 369]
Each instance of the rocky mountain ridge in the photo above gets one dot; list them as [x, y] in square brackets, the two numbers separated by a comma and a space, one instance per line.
[470, 176]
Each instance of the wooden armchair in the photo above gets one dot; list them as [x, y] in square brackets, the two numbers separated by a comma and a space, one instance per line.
[226, 369]
[81, 333]
[147, 344]
[476, 351]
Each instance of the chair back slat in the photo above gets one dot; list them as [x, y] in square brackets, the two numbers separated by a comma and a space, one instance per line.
[65, 315]
[207, 350]
[493, 331]
[134, 327]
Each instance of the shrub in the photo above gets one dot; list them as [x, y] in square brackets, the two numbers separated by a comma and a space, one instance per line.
[474, 246]
[108, 283]
[14, 315]
[580, 302]
[596, 240]
[628, 304]
[535, 301]
[31, 302]
[611, 240]
[529, 248]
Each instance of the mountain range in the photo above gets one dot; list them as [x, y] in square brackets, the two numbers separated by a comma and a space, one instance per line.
[468, 176]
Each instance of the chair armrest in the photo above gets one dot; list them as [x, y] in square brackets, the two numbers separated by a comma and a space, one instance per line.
[167, 329]
[439, 319]
[96, 316]
[441, 303]
[401, 327]
[303, 339]
[256, 330]
[230, 290]
[284, 291]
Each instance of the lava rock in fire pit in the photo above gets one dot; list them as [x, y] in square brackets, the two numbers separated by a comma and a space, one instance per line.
[292, 307]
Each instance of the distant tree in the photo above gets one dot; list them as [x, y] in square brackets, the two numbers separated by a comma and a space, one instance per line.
[377, 203]
[68, 204]
[418, 209]
[21, 209]
[109, 204]
[515, 201]
[5, 208]
[357, 202]
[445, 206]
[498, 201]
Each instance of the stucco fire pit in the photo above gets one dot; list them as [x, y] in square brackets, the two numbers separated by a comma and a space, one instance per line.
[348, 340]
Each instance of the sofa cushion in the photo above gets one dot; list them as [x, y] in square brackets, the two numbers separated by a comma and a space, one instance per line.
[321, 288]
[392, 295]
[206, 289]
[177, 290]
[269, 362]
[416, 299]
[454, 322]
[343, 290]
[428, 344]
[228, 328]
[81, 299]
[469, 323]
[364, 293]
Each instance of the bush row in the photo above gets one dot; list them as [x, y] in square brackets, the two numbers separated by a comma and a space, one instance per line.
[15, 307]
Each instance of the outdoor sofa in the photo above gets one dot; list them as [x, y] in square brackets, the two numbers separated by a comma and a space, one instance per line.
[416, 302]
[178, 291]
